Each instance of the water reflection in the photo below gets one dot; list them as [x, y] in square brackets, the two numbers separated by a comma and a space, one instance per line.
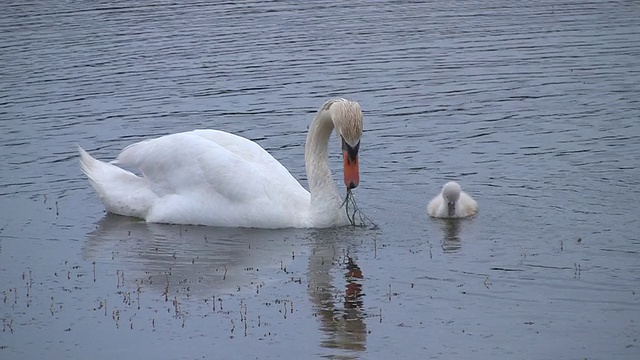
[204, 258]
[353, 293]
[451, 241]
[340, 307]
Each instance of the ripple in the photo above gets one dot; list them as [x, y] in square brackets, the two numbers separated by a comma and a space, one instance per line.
[532, 107]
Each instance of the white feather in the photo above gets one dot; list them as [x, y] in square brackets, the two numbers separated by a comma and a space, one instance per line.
[463, 204]
[210, 177]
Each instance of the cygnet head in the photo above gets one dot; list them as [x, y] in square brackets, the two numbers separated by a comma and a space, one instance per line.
[451, 194]
[347, 119]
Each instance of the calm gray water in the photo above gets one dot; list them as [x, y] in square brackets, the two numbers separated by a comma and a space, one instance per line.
[533, 107]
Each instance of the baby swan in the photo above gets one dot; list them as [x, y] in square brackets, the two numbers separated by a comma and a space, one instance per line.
[452, 202]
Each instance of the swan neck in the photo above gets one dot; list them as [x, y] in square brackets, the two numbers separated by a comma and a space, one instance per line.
[321, 186]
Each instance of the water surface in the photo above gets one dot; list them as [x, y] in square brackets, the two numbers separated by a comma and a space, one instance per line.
[533, 108]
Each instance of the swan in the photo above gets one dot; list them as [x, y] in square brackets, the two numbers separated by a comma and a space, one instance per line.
[452, 202]
[214, 178]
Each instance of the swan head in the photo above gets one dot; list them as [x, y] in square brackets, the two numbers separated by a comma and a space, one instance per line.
[451, 194]
[347, 120]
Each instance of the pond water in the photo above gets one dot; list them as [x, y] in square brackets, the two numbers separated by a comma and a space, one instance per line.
[533, 108]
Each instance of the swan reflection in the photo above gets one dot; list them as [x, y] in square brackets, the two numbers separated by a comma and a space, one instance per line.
[339, 307]
[217, 259]
[204, 261]
[451, 241]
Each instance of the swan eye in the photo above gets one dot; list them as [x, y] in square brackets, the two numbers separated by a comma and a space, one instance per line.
[352, 151]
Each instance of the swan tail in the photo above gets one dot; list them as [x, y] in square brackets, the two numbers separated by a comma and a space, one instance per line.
[120, 191]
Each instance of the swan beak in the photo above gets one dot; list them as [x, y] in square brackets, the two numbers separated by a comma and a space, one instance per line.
[452, 209]
[350, 157]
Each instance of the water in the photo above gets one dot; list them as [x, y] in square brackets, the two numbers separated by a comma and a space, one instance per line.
[532, 107]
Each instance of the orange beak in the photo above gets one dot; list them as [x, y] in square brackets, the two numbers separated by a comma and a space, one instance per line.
[350, 161]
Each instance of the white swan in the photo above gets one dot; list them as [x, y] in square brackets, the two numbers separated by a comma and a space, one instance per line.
[452, 202]
[210, 177]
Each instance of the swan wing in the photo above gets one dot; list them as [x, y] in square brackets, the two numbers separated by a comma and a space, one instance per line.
[434, 209]
[216, 178]
[468, 206]
[211, 159]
